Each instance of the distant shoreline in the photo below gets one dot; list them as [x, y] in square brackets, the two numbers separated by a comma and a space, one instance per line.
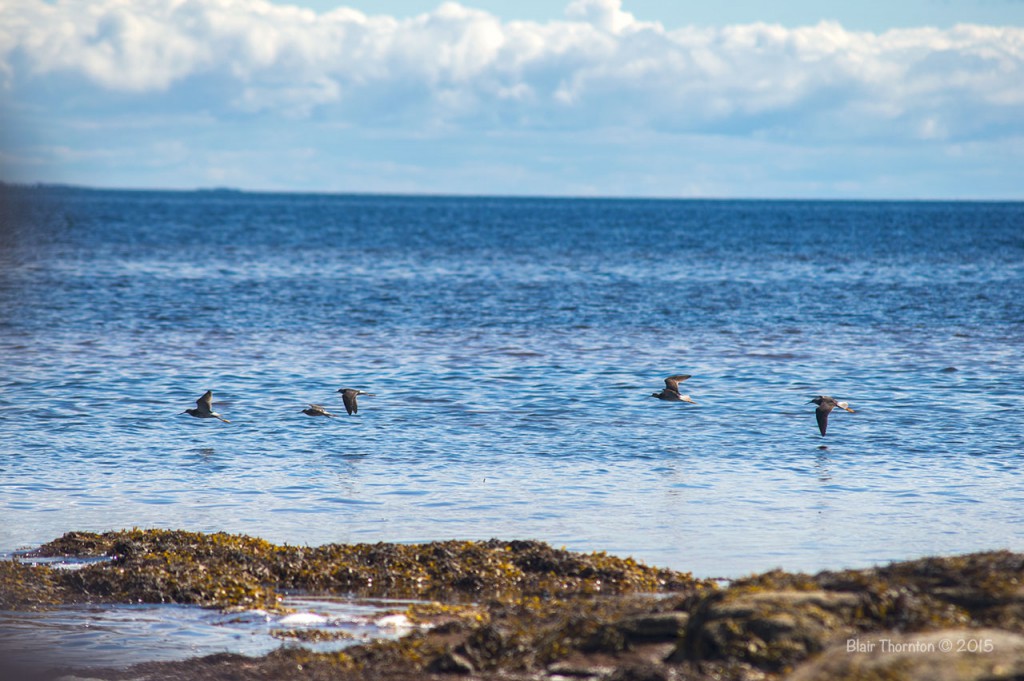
[238, 191]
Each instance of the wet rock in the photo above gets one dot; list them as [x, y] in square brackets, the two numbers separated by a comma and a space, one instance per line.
[972, 655]
[662, 626]
[451, 662]
[771, 630]
[492, 647]
[641, 672]
[575, 670]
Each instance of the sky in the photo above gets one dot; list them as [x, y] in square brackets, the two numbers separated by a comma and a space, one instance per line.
[921, 99]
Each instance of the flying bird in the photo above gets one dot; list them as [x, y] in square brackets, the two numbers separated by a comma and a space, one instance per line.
[349, 396]
[204, 408]
[670, 393]
[825, 406]
[316, 410]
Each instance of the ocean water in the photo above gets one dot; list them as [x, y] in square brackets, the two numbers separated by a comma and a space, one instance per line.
[512, 345]
[118, 635]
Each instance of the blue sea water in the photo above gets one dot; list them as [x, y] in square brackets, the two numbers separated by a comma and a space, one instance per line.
[512, 345]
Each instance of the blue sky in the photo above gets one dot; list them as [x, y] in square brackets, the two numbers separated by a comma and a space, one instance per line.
[864, 15]
[918, 99]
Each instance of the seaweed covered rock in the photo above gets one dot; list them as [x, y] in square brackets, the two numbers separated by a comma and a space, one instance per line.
[578, 636]
[28, 586]
[986, 587]
[769, 629]
[776, 620]
[158, 566]
[524, 610]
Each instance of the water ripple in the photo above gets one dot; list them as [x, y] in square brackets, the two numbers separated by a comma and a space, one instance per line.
[513, 354]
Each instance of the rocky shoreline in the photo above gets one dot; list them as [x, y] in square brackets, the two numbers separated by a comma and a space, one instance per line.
[524, 610]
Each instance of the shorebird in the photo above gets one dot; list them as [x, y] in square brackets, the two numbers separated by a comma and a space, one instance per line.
[670, 393]
[349, 396]
[204, 408]
[316, 410]
[825, 406]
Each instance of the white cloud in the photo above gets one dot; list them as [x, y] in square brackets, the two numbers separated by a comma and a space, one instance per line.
[604, 14]
[459, 66]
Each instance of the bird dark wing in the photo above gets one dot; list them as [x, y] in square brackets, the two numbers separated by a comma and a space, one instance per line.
[672, 382]
[206, 401]
[349, 397]
[821, 413]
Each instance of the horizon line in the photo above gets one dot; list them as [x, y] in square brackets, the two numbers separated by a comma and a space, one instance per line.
[456, 195]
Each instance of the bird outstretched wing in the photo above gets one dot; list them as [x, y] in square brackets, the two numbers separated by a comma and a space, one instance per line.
[348, 396]
[206, 401]
[821, 413]
[672, 382]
